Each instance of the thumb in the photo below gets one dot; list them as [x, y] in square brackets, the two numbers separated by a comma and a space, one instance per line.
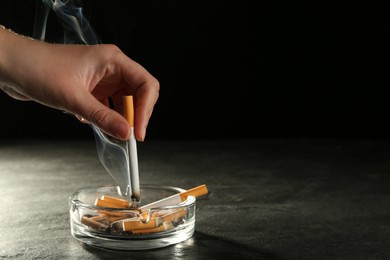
[108, 120]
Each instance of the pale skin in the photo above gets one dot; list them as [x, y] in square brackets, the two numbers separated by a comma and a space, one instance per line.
[78, 79]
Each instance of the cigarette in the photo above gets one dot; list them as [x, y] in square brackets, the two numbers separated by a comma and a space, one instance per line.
[176, 198]
[112, 202]
[121, 214]
[139, 223]
[174, 216]
[116, 202]
[128, 105]
[164, 227]
[95, 224]
[101, 219]
[165, 215]
[108, 220]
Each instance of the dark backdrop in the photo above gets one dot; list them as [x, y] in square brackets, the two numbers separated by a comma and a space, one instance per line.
[232, 69]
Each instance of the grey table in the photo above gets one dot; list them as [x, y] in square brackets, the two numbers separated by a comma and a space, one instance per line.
[268, 199]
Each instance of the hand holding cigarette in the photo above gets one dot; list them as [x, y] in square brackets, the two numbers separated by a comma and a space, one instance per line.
[78, 79]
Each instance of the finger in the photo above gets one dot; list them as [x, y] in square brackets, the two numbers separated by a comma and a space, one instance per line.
[145, 100]
[146, 89]
[108, 120]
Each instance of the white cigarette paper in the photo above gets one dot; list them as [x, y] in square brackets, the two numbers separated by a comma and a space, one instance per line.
[134, 165]
[176, 198]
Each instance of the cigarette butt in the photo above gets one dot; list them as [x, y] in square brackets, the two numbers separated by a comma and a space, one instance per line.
[96, 217]
[117, 218]
[123, 215]
[196, 192]
[101, 219]
[132, 224]
[164, 227]
[129, 225]
[116, 202]
[165, 215]
[107, 219]
[94, 224]
[175, 215]
[113, 203]
[128, 109]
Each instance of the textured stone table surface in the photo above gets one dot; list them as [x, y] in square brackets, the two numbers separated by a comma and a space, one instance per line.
[268, 199]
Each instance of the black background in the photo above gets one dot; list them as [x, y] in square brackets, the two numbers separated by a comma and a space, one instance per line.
[233, 69]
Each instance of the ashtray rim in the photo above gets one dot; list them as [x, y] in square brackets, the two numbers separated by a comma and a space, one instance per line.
[134, 241]
[73, 201]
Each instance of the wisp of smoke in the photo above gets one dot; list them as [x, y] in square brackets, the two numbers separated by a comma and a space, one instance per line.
[70, 14]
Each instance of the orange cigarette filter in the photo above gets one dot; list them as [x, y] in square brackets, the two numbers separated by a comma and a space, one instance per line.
[128, 109]
[107, 204]
[129, 225]
[164, 227]
[175, 215]
[121, 214]
[107, 219]
[116, 202]
[154, 222]
[112, 202]
[196, 192]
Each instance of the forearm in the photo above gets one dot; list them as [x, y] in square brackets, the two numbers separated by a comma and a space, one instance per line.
[14, 50]
[27, 68]
[5, 43]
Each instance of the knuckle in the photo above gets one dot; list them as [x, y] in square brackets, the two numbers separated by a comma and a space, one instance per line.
[106, 51]
[111, 49]
[156, 85]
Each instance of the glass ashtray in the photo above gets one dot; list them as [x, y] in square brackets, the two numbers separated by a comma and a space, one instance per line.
[121, 228]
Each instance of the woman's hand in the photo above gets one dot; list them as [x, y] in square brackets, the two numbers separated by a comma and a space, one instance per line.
[78, 79]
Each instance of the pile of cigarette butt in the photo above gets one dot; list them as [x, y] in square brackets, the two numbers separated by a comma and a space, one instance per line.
[130, 221]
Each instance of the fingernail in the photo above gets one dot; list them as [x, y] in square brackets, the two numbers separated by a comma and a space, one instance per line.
[143, 133]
